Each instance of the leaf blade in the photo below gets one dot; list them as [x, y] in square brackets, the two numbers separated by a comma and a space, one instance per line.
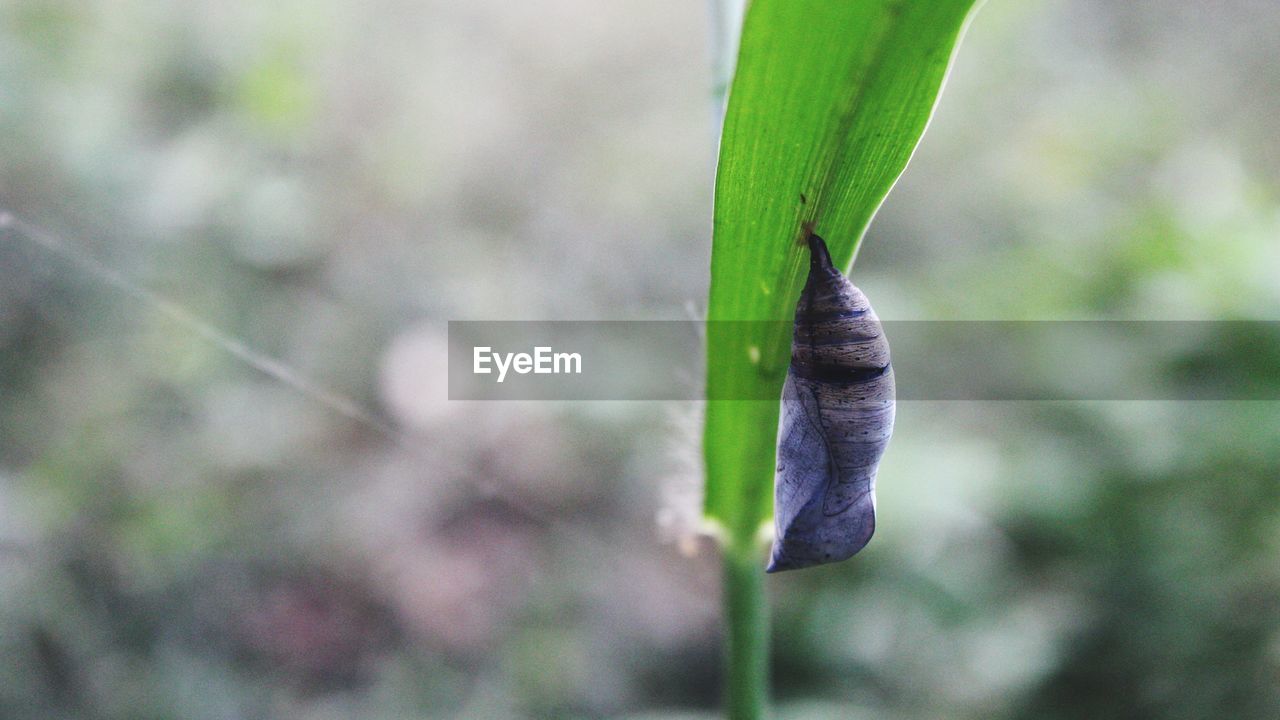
[827, 106]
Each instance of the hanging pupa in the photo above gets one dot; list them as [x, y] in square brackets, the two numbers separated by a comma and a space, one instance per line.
[837, 416]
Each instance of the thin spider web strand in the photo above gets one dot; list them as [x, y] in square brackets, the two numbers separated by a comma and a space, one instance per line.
[337, 402]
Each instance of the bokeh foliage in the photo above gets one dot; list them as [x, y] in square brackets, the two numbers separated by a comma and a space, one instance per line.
[181, 537]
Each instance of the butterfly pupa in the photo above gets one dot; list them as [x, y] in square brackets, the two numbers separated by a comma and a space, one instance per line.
[837, 416]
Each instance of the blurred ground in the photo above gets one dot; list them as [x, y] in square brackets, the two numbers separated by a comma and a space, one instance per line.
[330, 181]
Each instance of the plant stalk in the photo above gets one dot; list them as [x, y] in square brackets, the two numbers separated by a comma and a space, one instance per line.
[746, 611]
[726, 26]
[746, 638]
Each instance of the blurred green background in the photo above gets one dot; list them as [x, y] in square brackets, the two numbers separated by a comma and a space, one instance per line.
[329, 181]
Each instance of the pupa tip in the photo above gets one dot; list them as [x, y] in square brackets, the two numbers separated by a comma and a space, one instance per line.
[819, 256]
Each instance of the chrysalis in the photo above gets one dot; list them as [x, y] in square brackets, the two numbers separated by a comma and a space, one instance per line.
[837, 415]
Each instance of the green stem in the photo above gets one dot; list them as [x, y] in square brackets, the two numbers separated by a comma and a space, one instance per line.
[746, 617]
[746, 611]
[726, 26]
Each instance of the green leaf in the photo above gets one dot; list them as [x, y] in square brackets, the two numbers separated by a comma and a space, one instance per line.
[828, 102]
